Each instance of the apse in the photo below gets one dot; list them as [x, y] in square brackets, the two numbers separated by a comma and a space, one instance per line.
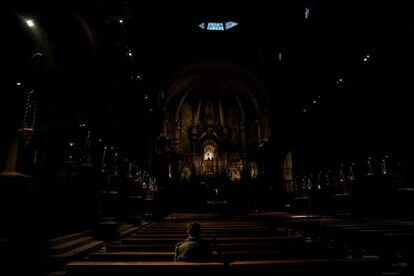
[215, 118]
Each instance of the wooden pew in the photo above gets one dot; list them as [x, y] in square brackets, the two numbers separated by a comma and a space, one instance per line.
[173, 241]
[142, 247]
[168, 229]
[205, 228]
[155, 256]
[82, 268]
[225, 246]
[400, 247]
[311, 267]
[225, 256]
[221, 223]
[204, 235]
[245, 245]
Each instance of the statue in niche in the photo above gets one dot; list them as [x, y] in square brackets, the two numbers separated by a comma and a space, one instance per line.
[186, 173]
[235, 170]
[254, 172]
[209, 153]
[234, 174]
[209, 160]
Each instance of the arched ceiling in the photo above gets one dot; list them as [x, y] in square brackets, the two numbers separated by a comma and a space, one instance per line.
[297, 59]
[217, 79]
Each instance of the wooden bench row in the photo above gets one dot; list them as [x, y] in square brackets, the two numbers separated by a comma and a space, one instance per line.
[183, 231]
[391, 239]
[175, 240]
[205, 223]
[229, 228]
[312, 267]
[150, 235]
[246, 245]
[236, 253]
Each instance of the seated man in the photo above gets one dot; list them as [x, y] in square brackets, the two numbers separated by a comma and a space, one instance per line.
[193, 249]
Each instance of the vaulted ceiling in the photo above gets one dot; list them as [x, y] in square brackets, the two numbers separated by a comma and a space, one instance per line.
[323, 70]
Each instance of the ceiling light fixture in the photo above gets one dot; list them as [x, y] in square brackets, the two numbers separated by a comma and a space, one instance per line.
[30, 23]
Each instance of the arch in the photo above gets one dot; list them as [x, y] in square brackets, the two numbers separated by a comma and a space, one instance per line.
[213, 110]
[238, 80]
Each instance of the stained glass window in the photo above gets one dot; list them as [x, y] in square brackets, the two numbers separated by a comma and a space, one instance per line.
[231, 24]
[215, 26]
[218, 26]
[307, 12]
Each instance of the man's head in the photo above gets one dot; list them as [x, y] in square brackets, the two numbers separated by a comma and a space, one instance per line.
[193, 229]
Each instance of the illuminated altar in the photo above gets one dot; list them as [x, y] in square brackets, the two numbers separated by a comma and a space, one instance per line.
[215, 117]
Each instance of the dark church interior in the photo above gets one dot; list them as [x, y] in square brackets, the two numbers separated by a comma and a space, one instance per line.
[282, 129]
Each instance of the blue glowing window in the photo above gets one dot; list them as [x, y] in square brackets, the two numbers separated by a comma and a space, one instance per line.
[231, 24]
[215, 26]
[218, 26]
[307, 12]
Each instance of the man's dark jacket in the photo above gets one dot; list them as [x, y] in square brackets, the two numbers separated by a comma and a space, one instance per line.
[193, 249]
